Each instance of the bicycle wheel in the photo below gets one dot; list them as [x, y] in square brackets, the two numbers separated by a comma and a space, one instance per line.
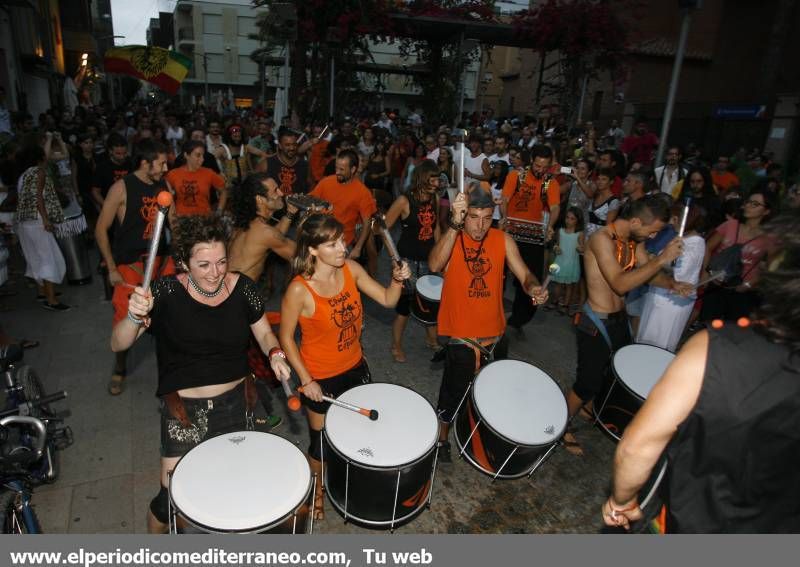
[13, 519]
[32, 390]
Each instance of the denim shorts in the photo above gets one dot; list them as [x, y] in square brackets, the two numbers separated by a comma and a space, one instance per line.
[210, 417]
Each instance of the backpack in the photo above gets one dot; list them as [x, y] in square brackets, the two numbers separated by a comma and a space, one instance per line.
[730, 262]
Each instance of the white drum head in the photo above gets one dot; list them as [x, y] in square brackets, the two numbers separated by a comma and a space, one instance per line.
[406, 428]
[640, 367]
[430, 287]
[520, 402]
[240, 481]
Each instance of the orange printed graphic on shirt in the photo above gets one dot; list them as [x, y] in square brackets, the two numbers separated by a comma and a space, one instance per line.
[427, 222]
[287, 178]
[345, 315]
[148, 210]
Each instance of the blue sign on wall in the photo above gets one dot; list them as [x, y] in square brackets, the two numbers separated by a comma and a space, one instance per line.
[750, 111]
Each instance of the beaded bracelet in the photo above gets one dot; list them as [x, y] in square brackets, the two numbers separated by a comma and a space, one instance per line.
[453, 225]
[134, 320]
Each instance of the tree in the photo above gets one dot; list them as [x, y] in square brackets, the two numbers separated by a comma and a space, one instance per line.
[326, 29]
[589, 37]
[445, 61]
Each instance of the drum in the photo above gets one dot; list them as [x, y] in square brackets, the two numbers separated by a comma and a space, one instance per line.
[522, 230]
[243, 482]
[380, 473]
[70, 236]
[636, 369]
[510, 419]
[427, 295]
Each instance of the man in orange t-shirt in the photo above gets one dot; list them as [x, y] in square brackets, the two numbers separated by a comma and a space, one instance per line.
[722, 177]
[528, 199]
[191, 183]
[472, 256]
[352, 201]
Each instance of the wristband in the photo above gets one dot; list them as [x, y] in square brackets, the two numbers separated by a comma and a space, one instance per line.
[291, 216]
[134, 320]
[453, 225]
[276, 351]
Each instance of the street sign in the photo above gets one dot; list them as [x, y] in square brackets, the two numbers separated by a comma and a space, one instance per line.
[750, 111]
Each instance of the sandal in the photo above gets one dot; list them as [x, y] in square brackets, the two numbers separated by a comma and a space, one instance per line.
[117, 384]
[571, 444]
[433, 345]
[398, 354]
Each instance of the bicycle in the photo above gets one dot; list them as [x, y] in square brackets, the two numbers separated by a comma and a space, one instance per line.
[25, 396]
[29, 448]
[17, 514]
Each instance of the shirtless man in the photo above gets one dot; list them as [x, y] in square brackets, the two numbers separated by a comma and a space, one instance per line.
[252, 204]
[616, 262]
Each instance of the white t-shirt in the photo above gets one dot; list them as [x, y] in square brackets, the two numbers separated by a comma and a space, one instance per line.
[473, 164]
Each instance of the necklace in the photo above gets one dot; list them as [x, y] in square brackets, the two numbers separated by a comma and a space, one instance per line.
[203, 292]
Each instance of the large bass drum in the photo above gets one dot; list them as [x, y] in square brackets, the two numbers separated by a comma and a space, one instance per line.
[636, 369]
[242, 482]
[380, 473]
[510, 419]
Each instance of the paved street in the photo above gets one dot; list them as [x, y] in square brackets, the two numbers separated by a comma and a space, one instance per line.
[111, 472]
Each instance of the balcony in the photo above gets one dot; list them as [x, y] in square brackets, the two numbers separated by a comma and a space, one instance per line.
[185, 35]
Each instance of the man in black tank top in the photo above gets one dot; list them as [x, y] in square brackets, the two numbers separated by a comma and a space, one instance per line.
[132, 202]
[288, 170]
[727, 412]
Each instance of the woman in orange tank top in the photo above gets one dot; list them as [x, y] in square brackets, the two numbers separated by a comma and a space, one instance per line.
[324, 298]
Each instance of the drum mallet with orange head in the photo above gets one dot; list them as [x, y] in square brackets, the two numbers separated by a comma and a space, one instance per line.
[370, 413]
[292, 401]
[164, 200]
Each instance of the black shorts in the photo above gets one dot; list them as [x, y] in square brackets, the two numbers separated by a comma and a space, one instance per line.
[594, 356]
[337, 385]
[210, 417]
[459, 371]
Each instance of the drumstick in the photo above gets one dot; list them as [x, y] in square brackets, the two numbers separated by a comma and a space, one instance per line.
[164, 200]
[370, 413]
[551, 271]
[684, 218]
[460, 176]
[292, 401]
[711, 278]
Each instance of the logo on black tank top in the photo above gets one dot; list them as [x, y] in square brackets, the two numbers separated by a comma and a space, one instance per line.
[148, 211]
[346, 314]
[287, 178]
[427, 221]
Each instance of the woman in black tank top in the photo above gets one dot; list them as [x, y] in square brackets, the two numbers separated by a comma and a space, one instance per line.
[417, 212]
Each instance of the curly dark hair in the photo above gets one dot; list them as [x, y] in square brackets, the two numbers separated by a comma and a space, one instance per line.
[193, 229]
[780, 284]
[243, 199]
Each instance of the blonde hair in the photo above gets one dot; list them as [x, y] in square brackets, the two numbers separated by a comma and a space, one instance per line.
[316, 229]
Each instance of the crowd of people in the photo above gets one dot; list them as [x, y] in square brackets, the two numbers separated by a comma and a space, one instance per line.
[635, 253]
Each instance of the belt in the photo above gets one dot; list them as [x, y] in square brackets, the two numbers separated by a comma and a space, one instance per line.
[616, 316]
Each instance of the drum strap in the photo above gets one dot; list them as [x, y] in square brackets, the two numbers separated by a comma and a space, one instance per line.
[480, 348]
[598, 322]
[177, 409]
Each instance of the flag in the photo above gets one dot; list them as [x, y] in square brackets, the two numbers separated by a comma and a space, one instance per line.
[161, 67]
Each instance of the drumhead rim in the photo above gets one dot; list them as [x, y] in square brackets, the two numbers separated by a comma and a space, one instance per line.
[250, 530]
[380, 467]
[486, 423]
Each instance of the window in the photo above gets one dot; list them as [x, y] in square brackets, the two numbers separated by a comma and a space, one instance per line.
[212, 23]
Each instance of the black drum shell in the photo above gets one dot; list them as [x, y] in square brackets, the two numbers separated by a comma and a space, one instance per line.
[495, 447]
[370, 498]
[615, 405]
[423, 309]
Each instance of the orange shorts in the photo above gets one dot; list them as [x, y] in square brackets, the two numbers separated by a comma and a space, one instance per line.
[132, 276]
